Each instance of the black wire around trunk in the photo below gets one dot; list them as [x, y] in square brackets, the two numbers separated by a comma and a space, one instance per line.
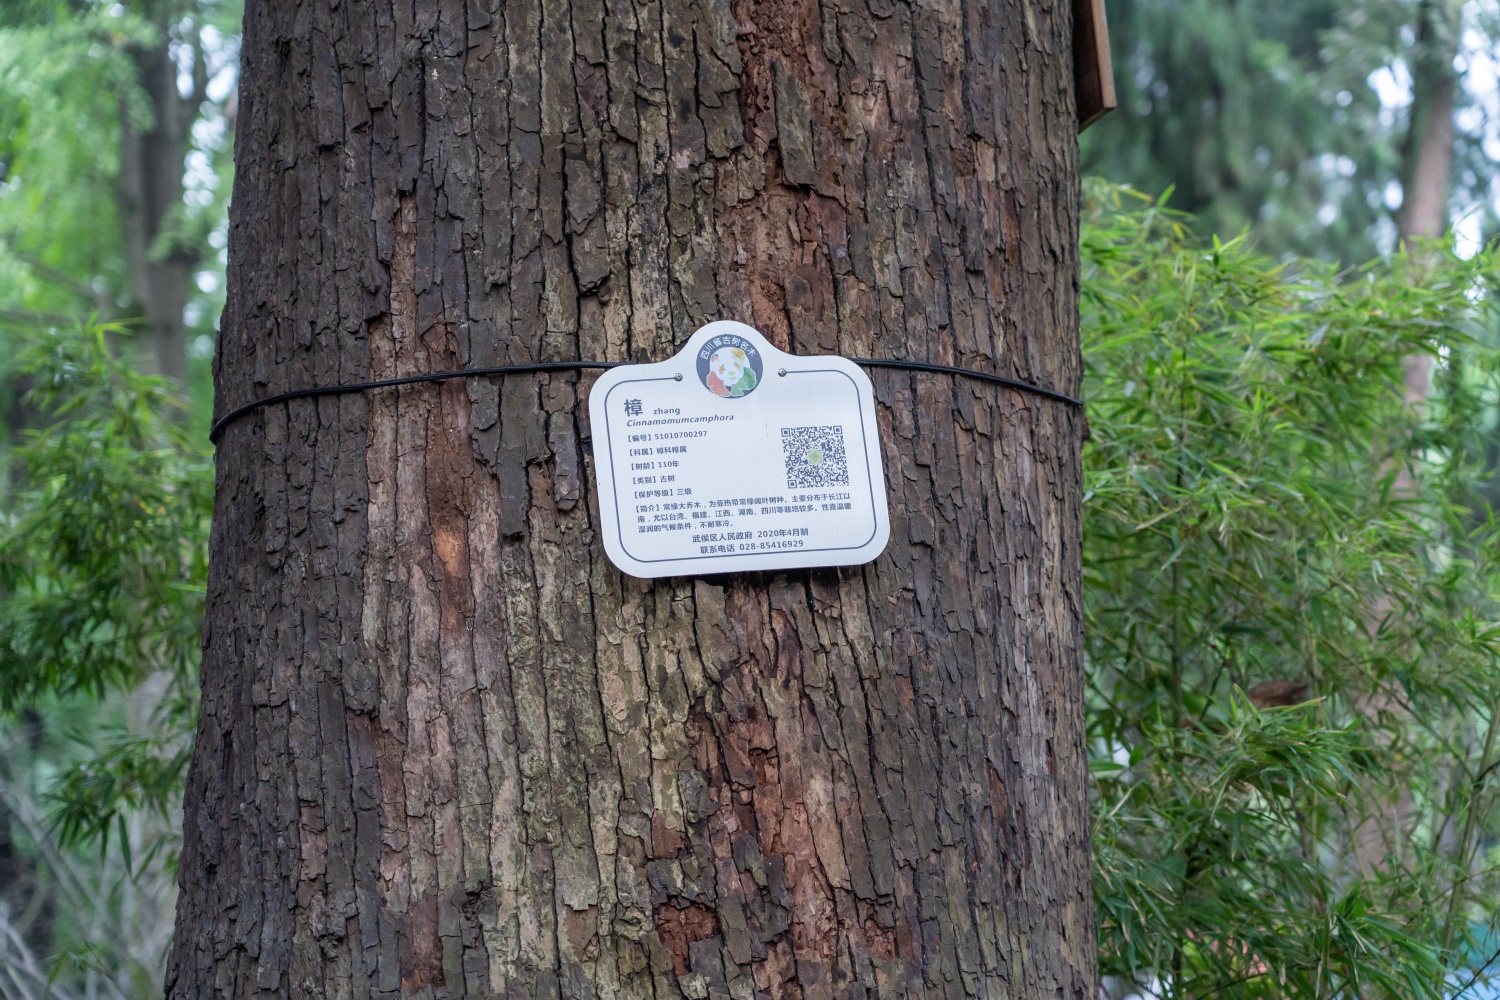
[550, 366]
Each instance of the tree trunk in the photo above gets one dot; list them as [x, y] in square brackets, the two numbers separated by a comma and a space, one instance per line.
[1427, 154]
[1426, 168]
[150, 188]
[446, 748]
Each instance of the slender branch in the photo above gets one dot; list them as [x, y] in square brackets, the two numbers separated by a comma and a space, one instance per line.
[1471, 816]
[52, 275]
[28, 317]
[24, 962]
[1477, 973]
[69, 880]
[200, 71]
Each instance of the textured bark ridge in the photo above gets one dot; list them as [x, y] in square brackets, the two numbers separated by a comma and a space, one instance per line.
[446, 749]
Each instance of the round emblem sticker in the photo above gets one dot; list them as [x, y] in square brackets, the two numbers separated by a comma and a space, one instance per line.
[729, 366]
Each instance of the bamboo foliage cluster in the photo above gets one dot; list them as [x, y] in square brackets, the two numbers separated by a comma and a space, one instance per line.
[103, 559]
[1290, 578]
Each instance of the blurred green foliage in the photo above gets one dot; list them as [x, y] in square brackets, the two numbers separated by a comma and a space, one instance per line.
[1265, 114]
[104, 481]
[67, 82]
[104, 549]
[103, 558]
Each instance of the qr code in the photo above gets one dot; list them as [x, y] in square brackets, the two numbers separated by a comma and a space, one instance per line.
[814, 457]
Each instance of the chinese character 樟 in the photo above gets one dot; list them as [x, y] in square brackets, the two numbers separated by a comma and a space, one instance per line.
[632, 407]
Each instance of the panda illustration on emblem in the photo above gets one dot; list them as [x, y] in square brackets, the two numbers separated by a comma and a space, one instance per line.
[729, 366]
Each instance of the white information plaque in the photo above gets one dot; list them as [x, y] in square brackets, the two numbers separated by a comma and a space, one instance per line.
[735, 456]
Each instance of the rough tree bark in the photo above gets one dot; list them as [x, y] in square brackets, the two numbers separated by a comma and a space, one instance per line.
[445, 747]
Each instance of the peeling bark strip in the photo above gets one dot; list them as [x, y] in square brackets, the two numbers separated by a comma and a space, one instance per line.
[445, 748]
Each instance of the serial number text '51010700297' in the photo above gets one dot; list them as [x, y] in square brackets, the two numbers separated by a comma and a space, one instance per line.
[733, 455]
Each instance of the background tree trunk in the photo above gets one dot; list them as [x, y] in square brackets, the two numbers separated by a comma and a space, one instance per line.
[153, 145]
[1426, 171]
[1427, 153]
[446, 748]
